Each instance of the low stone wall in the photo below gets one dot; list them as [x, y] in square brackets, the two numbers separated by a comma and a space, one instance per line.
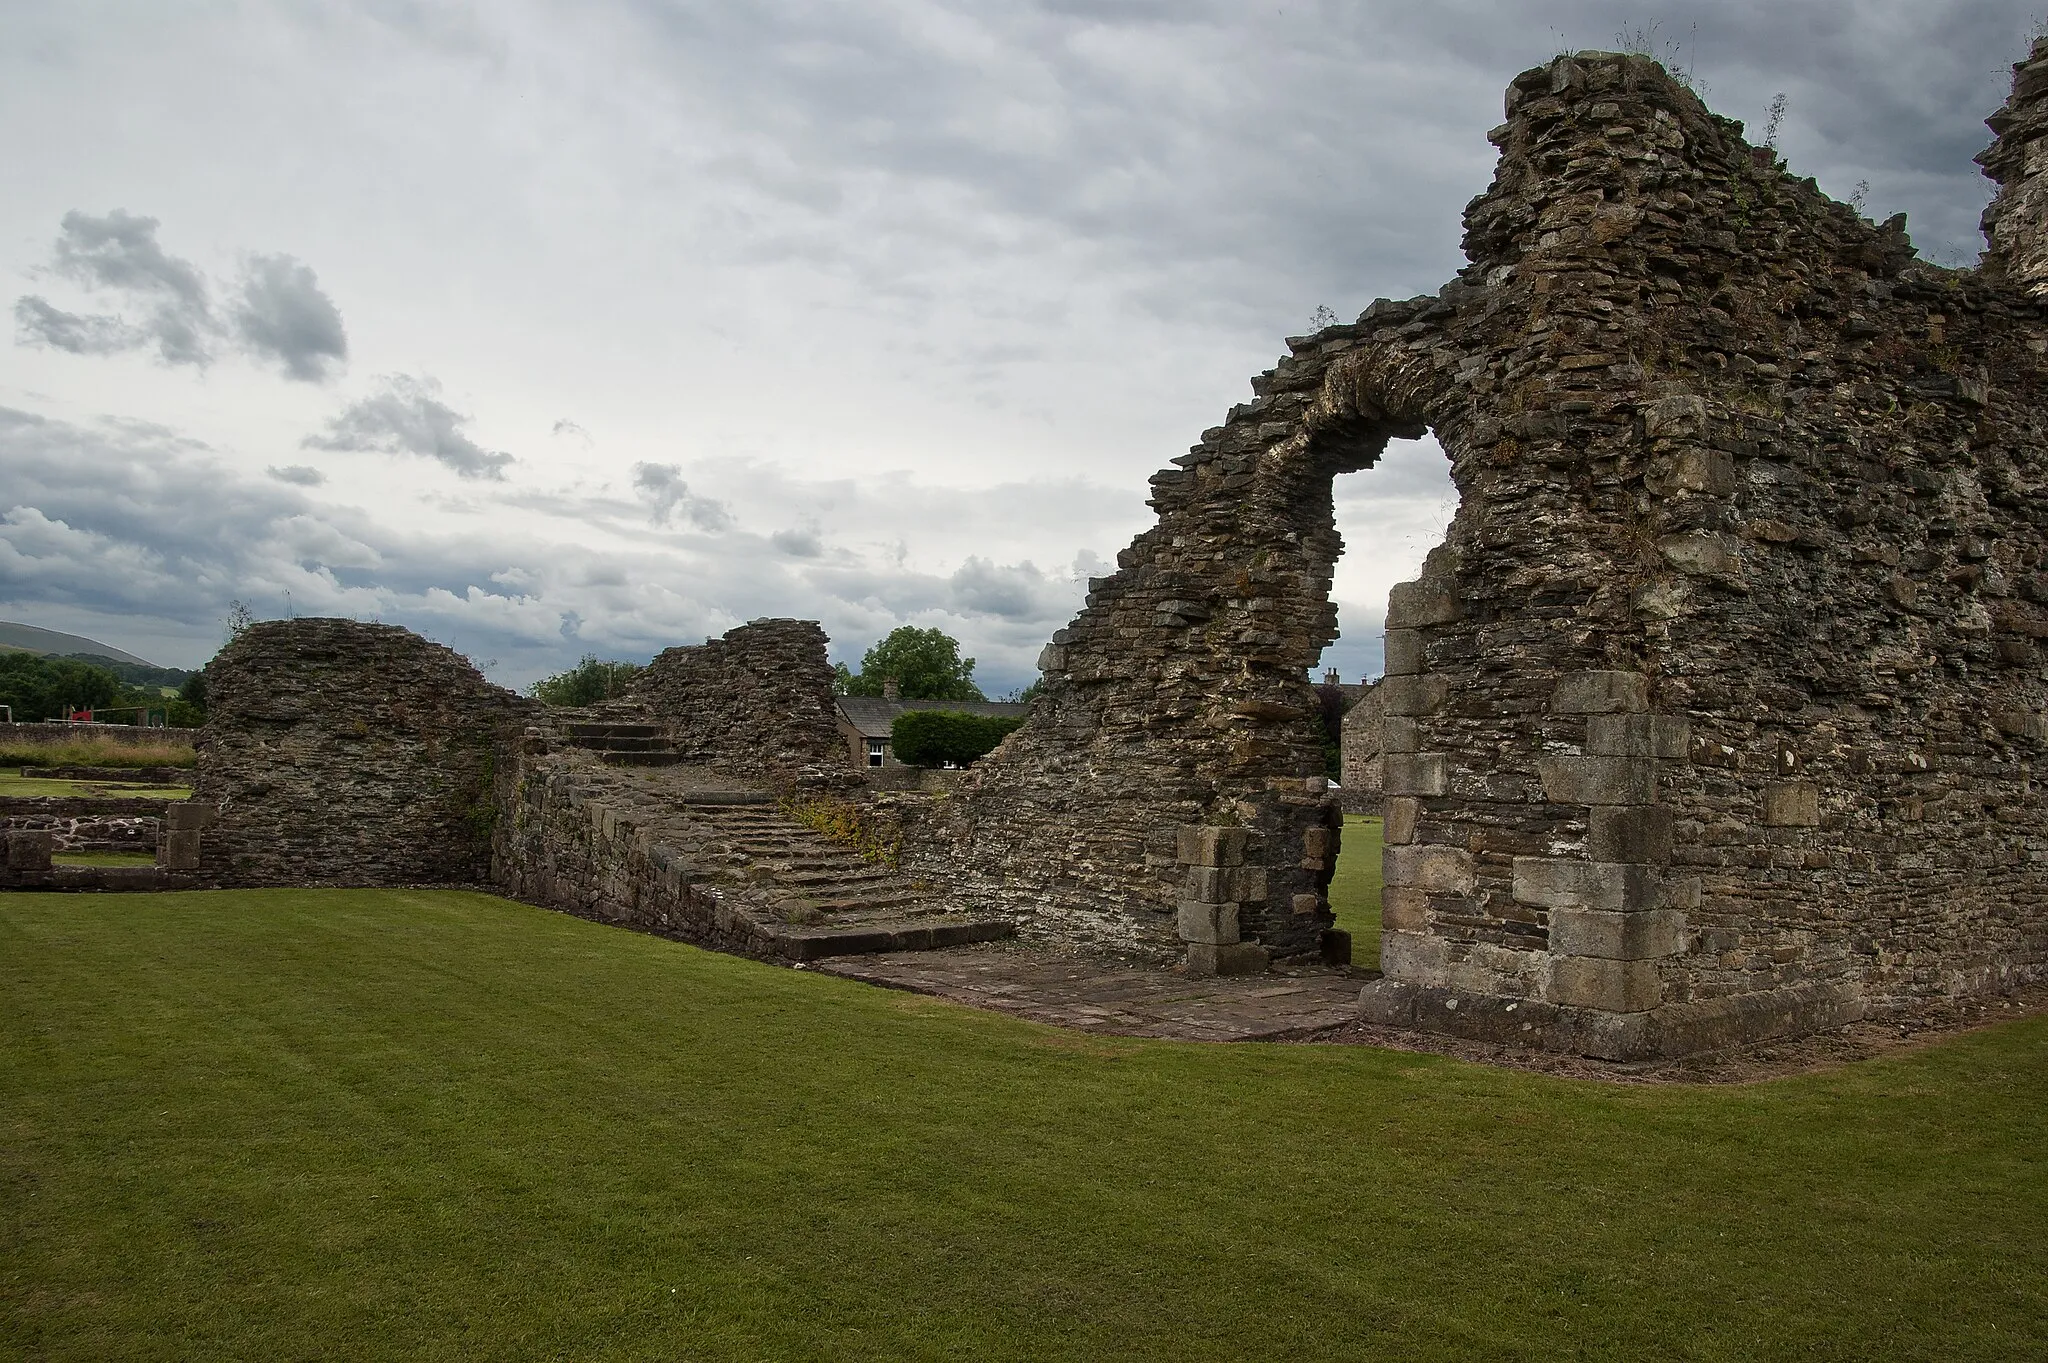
[557, 847]
[86, 825]
[342, 753]
[51, 733]
[756, 703]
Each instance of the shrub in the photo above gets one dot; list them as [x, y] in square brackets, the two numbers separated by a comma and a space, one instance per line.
[591, 680]
[38, 688]
[932, 738]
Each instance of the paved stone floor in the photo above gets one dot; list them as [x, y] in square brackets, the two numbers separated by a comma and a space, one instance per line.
[1091, 995]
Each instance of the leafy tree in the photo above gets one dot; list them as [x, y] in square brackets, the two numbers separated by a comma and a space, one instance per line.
[926, 664]
[592, 679]
[37, 688]
[932, 738]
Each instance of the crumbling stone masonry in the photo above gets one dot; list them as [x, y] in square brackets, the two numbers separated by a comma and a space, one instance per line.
[1717, 714]
[342, 753]
[755, 703]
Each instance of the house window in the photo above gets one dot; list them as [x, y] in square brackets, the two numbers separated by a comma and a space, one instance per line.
[876, 748]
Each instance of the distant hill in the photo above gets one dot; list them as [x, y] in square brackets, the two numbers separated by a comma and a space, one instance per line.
[50, 643]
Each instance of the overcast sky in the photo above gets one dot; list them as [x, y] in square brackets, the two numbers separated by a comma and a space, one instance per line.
[548, 329]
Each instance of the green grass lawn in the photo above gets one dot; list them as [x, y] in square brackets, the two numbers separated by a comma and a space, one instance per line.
[1355, 888]
[437, 1125]
[13, 783]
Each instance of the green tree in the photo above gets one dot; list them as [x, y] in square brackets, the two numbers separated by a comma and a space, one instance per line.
[592, 679]
[36, 688]
[932, 738]
[926, 664]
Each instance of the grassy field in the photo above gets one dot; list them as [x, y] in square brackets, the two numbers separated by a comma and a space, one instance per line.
[437, 1125]
[12, 783]
[1355, 888]
[91, 751]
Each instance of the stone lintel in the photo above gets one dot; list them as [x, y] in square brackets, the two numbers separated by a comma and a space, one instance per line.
[1397, 820]
[1236, 958]
[1600, 693]
[190, 815]
[1411, 605]
[1664, 736]
[1419, 774]
[1440, 870]
[1210, 845]
[1639, 834]
[1403, 653]
[1617, 936]
[1214, 924]
[1611, 887]
[1598, 780]
[1423, 694]
[1792, 804]
[1607, 985]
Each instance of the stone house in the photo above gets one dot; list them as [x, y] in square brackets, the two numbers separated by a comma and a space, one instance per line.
[865, 722]
[1364, 726]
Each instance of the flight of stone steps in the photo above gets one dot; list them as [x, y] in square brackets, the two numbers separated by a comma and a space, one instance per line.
[807, 896]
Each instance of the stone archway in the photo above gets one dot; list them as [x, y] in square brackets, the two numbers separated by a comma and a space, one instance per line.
[1746, 587]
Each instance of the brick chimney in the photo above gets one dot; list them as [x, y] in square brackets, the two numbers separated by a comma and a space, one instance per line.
[1331, 678]
[890, 690]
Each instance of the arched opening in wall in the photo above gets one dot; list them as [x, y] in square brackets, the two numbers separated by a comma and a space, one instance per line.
[1390, 515]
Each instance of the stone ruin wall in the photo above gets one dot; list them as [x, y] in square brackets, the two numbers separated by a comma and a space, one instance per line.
[1716, 714]
[756, 703]
[342, 753]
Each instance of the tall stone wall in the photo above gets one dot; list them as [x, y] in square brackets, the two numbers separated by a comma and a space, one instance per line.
[1364, 734]
[756, 703]
[343, 753]
[1717, 713]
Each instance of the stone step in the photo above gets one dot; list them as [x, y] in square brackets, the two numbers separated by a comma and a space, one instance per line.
[925, 934]
[591, 730]
[640, 759]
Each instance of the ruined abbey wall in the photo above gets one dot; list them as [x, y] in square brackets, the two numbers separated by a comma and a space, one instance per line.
[756, 702]
[342, 753]
[1717, 713]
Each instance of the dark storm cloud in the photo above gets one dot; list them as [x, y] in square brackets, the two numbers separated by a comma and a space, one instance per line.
[283, 316]
[407, 416]
[1216, 165]
[279, 313]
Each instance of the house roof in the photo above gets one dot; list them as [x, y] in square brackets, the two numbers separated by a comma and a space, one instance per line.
[871, 716]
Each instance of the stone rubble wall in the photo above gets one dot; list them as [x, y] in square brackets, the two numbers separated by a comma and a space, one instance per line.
[342, 753]
[87, 825]
[1717, 712]
[756, 703]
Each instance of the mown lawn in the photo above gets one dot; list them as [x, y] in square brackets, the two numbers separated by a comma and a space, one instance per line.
[13, 783]
[438, 1125]
[1355, 888]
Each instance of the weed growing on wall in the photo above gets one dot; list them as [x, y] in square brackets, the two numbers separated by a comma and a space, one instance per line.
[849, 825]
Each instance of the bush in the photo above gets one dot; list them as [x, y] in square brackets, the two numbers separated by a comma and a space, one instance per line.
[932, 738]
[590, 680]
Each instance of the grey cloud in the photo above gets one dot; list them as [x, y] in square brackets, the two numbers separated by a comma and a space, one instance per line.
[120, 253]
[1017, 591]
[408, 417]
[282, 315]
[804, 543]
[666, 493]
[299, 475]
[568, 428]
[38, 323]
